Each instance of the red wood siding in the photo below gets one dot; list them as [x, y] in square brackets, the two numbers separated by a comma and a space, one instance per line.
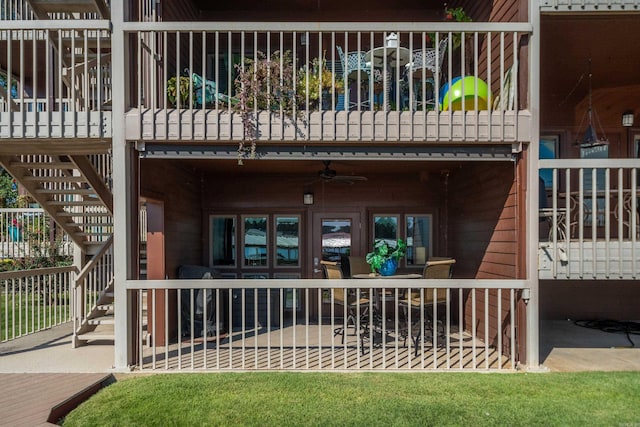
[484, 238]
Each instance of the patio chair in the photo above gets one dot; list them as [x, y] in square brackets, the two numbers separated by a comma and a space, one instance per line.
[505, 101]
[422, 69]
[434, 268]
[211, 94]
[355, 68]
[358, 265]
[332, 271]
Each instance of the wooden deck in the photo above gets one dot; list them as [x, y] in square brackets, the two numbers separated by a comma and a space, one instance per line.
[41, 399]
[316, 348]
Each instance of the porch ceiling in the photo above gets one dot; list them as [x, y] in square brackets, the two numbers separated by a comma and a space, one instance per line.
[346, 160]
[567, 44]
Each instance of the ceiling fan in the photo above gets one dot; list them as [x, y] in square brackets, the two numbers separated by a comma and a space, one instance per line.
[330, 175]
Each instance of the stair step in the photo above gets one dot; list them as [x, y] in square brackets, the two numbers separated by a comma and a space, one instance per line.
[69, 6]
[102, 320]
[80, 191]
[93, 202]
[44, 165]
[103, 335]
[64, 179]
[105, 307]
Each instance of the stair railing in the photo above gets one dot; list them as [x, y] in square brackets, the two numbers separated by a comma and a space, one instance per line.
[92, 284]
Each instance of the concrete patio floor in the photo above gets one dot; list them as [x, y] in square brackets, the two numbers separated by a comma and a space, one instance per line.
[565, 347]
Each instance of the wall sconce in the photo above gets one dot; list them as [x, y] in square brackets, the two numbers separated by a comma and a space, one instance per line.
[627, 118]
[307, 199]
[303, 39]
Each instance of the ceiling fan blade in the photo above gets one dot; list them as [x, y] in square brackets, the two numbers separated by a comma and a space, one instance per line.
[351, 177]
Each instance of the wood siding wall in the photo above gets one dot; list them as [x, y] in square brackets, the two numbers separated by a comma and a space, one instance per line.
[483, 236]
[179, 189]
[589, 300]
[381, 194]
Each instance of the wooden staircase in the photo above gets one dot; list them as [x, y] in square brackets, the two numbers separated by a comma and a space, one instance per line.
[79, 199]
[46, 9]
[80, 51]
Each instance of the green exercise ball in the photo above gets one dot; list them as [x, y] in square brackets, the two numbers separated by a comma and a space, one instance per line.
[470, 85]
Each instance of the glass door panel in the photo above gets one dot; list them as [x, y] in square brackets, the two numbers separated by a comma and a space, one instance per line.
[419, 247]
[287, 241]
[255, 241]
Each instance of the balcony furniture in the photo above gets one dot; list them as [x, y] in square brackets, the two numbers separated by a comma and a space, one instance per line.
[435, 268]
[505, 101]
[394, 58]
[629, 214]
[358, 265]
[199, 302]
[380, 327]
[344, 298]
[421, 73]
[211, 94]
[355, 69]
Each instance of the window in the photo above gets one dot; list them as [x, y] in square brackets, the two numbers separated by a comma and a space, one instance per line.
[254, 240]
[385, 228]
[287, 241]
[418, 237]
[548, 150]
[223, 240]
[594, 178]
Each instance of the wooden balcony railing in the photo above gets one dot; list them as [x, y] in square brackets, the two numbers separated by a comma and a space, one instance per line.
[341, 81]
[60, 84]
[253, 324]
[591, 224]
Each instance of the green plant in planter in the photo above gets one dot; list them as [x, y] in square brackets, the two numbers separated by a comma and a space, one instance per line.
[319, 80]
[383, 252]
[263, 83]
[183, 91]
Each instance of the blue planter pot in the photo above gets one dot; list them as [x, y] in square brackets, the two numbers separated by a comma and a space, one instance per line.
[15, 233]
[389, 267]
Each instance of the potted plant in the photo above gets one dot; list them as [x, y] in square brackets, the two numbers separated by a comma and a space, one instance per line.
[182, 92]
[264, 84]
[320, 82]
[384, 258]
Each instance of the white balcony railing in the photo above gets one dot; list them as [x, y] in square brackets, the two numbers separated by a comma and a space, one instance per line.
[341, 81]
[29, 233]
[592, 219]
[33, 300]
[258, 325]
[61, 80]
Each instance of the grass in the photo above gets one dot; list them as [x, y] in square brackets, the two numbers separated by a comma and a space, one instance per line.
[366, 399]
[26, 312]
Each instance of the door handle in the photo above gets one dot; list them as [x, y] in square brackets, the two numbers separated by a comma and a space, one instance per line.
[317, 270]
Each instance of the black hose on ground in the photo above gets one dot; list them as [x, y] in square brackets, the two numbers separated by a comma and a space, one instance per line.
[613, 326]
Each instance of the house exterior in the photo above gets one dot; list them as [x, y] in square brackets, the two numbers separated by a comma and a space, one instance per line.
[207, 158]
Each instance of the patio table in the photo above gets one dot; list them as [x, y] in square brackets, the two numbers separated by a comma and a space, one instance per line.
[394, 57]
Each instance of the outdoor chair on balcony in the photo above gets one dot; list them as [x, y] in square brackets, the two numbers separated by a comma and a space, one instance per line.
[344, 298]
[355, 69]
[358, 265]
[423, 306]
[210, 93]
[421, 73]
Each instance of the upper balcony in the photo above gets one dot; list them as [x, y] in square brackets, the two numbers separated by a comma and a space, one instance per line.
[55, 79]
[341, 81]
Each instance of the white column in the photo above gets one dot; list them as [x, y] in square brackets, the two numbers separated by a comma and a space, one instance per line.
[532, 239]
[121, 187]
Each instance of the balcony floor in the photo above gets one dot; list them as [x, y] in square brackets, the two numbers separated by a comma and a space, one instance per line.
[563, 347]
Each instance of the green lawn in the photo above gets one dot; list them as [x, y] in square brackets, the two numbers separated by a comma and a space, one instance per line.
[23, 313]
[366, 399]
